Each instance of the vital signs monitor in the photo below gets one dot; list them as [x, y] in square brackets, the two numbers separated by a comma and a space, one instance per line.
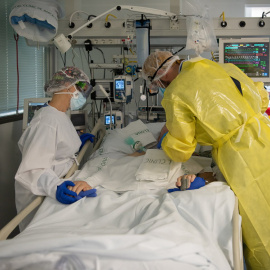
[251, 55]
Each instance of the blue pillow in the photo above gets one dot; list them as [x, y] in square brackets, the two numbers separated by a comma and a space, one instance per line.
[26, 18]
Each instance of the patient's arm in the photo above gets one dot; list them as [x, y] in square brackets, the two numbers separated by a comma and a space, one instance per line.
[163, 130]
[207, 176]
[80, 186]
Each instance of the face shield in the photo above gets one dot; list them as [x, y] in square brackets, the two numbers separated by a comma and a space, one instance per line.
[155, 67]
[84, 87]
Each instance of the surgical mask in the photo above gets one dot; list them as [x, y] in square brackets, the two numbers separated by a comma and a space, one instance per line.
[161, 91]
[156, 86]
[77, 101]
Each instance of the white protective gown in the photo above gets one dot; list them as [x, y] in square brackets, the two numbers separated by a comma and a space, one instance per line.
[48, 148]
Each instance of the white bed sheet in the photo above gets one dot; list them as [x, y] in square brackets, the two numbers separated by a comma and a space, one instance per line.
[111, 168]
[133, 230]
[143, 228]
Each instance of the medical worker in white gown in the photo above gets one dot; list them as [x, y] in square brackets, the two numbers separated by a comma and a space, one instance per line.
[49, 143]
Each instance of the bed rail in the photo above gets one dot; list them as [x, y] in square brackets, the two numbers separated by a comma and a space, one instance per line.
[100, 130]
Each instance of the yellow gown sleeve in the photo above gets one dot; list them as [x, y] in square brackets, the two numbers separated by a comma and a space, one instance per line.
[180, 142]
[264, 95]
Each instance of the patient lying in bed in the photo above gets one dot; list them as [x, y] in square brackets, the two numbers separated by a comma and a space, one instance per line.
[133, 223]
[120, 169]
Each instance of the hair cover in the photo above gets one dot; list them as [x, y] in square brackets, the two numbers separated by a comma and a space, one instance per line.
[154, 61]
[65, 78]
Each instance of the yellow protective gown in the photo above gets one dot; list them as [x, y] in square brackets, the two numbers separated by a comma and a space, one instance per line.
[204, 105]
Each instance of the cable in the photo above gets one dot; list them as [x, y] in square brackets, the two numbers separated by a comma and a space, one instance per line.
[107, 96]
[87, 59]
[223, 16]
[64, 60]
[103, 58]
[89, 17]
[78, 11]
[147, 106]
[106, 20]
[16, 38]
[179, 50]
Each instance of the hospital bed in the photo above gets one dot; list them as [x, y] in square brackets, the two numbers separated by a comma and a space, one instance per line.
[136, 229]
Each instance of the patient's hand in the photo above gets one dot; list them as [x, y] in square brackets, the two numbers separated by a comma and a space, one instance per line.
[137, 154]
[80, 186]
[190, 177]
[163, 130]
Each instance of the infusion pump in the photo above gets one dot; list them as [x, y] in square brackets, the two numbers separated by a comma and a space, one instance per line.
[117, 119]
[122, 88]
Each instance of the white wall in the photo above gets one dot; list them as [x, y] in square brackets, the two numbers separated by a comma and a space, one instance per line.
[231, 8]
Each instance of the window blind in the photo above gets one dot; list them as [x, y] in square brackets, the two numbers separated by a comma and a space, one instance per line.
[32, 66]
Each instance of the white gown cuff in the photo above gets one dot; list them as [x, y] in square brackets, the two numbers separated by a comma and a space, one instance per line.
[95, 180]
[47, 184]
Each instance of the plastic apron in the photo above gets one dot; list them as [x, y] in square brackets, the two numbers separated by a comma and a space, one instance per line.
[203, 104]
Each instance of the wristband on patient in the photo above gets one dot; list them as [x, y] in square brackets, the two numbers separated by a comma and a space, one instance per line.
[197, 183]
[160, 141]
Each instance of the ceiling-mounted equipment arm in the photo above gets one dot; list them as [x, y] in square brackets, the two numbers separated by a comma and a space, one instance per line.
[152, 11]
[63, 44]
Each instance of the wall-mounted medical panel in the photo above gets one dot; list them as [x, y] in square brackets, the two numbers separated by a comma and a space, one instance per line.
[161, 30]
[164, 27]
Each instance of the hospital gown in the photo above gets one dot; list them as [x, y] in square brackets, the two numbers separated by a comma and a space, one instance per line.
[204, 105]
[48, 146]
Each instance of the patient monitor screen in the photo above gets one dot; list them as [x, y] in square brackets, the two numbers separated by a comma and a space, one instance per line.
[33, 107]
[78, 120]
[107, 119]
[251, 57]
[120, 84]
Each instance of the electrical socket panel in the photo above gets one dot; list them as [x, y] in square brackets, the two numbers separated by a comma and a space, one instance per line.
[105, 41]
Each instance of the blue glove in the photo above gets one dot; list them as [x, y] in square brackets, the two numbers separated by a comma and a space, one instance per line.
[87, 193]
[160, 141]
[197, 183]
[85, 137]
[62, 193]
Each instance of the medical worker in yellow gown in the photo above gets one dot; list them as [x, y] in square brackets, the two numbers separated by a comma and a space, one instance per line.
[218, 105]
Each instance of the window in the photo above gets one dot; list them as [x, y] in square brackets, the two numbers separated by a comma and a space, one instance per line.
[256, 10]
[31, 64]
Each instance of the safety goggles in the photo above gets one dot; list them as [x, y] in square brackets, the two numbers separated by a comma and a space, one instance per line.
[154, 82]
[155, 85]
[152, 78]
